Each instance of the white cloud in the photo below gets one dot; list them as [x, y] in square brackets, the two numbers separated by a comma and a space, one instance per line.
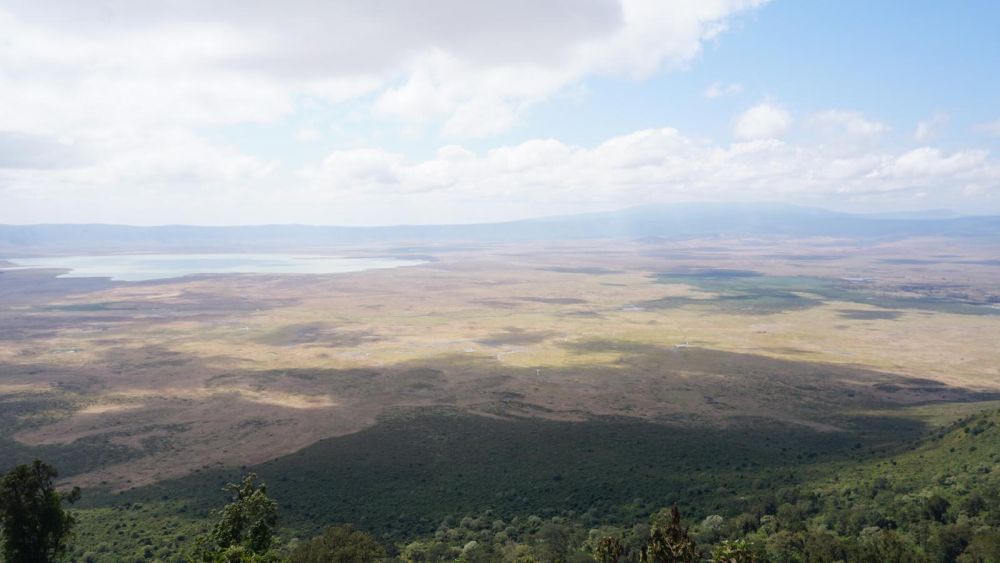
[536, 177]
[721, 89]
[145, 90]
[651, 165]
[850, 123]
[928, 129]
[308, 134]
[129, 111]
[123, 171]
[478, 100]
[927, 162]
[763, 121]
[371, 168]
[471, 67]
[26, 151]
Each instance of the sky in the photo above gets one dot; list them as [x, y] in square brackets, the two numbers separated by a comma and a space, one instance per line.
[376, 112]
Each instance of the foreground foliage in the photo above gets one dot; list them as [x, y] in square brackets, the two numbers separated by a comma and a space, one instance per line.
[938, 501]
[34, 524]
[338, 544]
[245, 530]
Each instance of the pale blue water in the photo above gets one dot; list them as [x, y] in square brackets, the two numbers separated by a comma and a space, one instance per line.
[142, 267]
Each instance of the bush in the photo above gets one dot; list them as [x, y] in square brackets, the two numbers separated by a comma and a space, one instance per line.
[340, 544]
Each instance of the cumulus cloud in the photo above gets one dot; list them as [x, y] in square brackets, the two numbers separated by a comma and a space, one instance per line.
[851, 123]
[26, 151]
[535, 177]
[722, 89]
[126, 111]
[473, 66]
[114, 92]
[99, 94]
[927, 162]
[762, 121]
[129, 172]
[928, 129]
[650, 165]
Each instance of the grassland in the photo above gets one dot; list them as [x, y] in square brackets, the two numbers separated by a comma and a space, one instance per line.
[658, 365]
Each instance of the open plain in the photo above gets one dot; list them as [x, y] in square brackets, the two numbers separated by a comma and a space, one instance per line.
[160, 379]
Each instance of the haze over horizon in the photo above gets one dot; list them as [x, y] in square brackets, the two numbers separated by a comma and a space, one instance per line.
[692, 211]
[228, 113]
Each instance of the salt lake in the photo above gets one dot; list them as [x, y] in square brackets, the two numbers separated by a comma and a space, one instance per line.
[143, 267]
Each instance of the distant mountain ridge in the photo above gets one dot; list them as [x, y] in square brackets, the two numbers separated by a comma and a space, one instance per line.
[645, 222]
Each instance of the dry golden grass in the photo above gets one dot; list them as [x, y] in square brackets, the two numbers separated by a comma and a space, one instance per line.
[206, 361]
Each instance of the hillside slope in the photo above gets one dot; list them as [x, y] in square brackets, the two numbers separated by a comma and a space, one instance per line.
[664, 221]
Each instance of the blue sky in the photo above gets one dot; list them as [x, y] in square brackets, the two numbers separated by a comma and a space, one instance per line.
[902, 63]
[899, 62]
[310, 112]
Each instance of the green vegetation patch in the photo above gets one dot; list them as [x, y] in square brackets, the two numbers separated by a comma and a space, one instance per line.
[23, 411]
[869, 315]
[555, 300]
[403, 475]
[746, 292]
[514, 336]
[586, 270]
[317, 334]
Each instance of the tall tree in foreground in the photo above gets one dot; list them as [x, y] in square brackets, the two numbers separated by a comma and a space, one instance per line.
[669, 541]
[609, 550]
[245, 530]
[34, 524]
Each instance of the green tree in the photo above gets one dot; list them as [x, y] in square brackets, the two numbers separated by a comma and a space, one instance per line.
[784, 547]
[34, 525]
[669, 541]
[340, 544]
[984, 548]
[735, 551]
[936, 508]
[887, 546]
[552, 542]
[609, 550]
[822, 546]
[245, 530]
[428, 552]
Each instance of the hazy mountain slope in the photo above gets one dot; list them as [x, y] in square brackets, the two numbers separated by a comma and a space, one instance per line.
[668, 221]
